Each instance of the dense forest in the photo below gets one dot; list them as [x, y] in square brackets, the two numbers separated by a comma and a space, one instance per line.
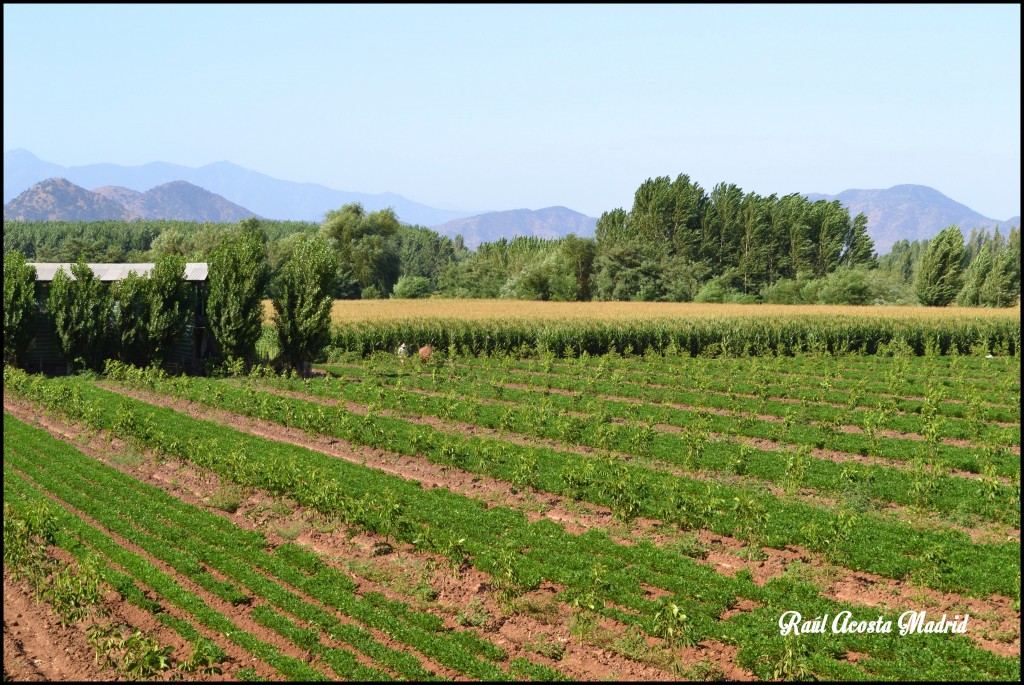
[676, 243]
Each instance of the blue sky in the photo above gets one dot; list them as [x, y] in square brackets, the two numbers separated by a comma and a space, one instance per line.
[502, 107]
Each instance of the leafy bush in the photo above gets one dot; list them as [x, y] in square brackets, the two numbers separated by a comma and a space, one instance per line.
[783, 291]
[412, 287]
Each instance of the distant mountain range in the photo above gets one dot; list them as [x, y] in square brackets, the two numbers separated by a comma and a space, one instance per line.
[550, 222]
[268, 197]
[57, 199]
[911, 212]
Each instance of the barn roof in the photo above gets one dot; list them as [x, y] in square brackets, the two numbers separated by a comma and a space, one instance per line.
[194, 271]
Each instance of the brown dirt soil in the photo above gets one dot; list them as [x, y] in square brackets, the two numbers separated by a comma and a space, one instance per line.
[37, 647]
[988, 618]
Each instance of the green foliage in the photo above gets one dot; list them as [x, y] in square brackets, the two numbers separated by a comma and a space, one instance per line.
[228, 497]
[672, 624]
[940, 274]
[142, 657]
[19, 307]
[790, 663]
[238, 276]
[81, 308]
[783, 291]
[28, 529]
[167, 298]
[364, 246]
[129, 313]
[73, 593]
[302, 303]
[205, 658]
[992, 279]
[548, 277]
[475, 614]
[680, 243]
[412, 287]
[423, 253]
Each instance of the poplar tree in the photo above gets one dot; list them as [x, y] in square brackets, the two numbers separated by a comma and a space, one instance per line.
[940, 273]
[81, 310]
[239, 273]
[167, 300]
[19, 307]
[129, 316]
[302, 297]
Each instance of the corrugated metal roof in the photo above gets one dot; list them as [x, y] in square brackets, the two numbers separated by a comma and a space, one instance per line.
[194, 271]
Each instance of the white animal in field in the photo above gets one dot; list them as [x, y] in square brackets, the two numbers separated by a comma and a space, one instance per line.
[403, 350]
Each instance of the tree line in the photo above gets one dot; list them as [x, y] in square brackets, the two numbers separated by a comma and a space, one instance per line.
[677, 242]
[140, 319]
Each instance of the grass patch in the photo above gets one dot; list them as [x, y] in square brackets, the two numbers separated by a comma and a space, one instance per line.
[289, 530]
[130, 458]
[228, 497]
[475, 614]
[546, 646]
[547, 611]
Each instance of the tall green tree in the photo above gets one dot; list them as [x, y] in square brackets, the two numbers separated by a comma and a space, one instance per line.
[424, 253]
[723, 226]
[19, 307]
[1001, 287]
[239, 274]
[828, 223]
[940, 273]
[858, 247]
[129, 330]
[303, 294]
[364, 246]
[753, 245]
[81, 310]
[168, 300]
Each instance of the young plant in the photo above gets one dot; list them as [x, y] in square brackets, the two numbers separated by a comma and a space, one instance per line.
[672, 624]
[205, 658]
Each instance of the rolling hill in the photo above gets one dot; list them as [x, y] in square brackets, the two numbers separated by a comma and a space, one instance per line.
[910, 212]
[58, 199]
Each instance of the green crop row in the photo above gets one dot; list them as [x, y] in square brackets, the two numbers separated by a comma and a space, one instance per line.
[992, 399]
[74, 533]
[759, 336]
[892, 550]
[178, 535]
[546, 552]
[683, 386]
[948, 371]
[807, 424]
[550, 417]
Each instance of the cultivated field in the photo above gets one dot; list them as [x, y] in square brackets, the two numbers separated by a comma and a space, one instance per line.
[495, 517]
[355, 311]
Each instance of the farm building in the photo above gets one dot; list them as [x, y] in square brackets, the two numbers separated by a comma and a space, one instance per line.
[196, 344]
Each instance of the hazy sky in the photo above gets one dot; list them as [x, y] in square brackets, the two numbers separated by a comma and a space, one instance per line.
[502, 107]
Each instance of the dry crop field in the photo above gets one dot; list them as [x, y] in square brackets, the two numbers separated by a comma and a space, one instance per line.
[355, 311]
[509, 517]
